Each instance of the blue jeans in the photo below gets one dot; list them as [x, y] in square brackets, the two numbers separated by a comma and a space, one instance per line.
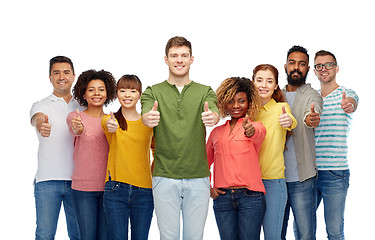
[48, 198]
[173, 196]
[239, 214]
[302, 200]
[276, 197]
[332, 188]
[90, 215]
[123, 201]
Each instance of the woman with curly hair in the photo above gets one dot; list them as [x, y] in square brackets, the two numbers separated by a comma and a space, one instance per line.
[128, 188]
[276, 116]
[93, 90]
[238, 191]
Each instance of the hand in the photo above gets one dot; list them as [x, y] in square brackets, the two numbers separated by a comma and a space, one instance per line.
[45, 127]
[208, 117]
[248, 126]
[76, 122]
[111, 123]
[152, 118]
[313, 119]
[285, 120]
[214, 193]
[346, 105]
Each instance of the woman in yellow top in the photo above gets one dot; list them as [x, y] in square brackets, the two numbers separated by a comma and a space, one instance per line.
[276, 116]
[128, 188]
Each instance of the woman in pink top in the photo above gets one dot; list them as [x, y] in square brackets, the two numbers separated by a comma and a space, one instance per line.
[92, 90]
[238, 191]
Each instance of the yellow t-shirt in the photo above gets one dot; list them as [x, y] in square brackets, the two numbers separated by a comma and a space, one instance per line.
[271, 156]
[129, 153]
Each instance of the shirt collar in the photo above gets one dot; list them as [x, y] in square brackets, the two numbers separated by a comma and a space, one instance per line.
[54, 98]
[301, 89]
[269, 105]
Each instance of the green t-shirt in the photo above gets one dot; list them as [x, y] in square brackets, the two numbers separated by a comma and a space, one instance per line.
[180, 137]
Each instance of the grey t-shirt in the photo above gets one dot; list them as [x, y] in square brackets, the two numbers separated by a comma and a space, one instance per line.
[290, 160]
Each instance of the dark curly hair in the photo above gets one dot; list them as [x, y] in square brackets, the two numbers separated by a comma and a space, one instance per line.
[297, 48]
[89, 75]
[229, 87]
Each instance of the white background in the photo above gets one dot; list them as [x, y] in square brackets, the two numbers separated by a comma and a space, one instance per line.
[229, 38]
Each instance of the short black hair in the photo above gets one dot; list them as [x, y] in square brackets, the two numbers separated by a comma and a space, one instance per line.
[60, 59]
[297, 48]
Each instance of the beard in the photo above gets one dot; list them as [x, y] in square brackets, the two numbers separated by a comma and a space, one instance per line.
[296, 81]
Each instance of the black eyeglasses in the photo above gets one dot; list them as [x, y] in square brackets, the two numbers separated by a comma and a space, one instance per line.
[328, 66]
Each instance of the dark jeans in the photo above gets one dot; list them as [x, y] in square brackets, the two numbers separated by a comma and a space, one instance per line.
[239, 214]
[90, 215]
[123, 201]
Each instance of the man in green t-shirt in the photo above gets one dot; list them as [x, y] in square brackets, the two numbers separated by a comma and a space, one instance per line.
[179, 109]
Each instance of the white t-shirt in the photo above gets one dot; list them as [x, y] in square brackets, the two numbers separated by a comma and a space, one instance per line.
[55, 153]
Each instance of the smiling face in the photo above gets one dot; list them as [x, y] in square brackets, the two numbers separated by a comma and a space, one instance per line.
[179, 61]
[96, 93]
[238, 106]
[265, 83]
[128, 97]
[326, 76]
[297, 68]
[62, 78]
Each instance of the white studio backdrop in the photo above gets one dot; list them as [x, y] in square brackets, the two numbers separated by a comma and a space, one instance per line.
[229, 38]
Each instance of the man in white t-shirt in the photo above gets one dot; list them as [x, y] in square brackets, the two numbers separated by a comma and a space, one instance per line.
[55, 153]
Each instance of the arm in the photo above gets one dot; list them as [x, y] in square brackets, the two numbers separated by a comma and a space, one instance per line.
[150, 114]
[349, 103]
[209, 118]
[313, 110]
[41, 123]
[214, 192]
[74, 122]
[210, 114]
[286, 119]
[259, 135]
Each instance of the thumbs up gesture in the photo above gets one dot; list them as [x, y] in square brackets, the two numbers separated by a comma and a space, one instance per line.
[45, 127]
[152, 118]
[76, 122]
[346, 104]
[284, 119]
[248, 126]
[313, 119]
[112, 124]
[208, 117]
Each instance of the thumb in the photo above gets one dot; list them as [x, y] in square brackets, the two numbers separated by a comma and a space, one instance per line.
[246, 119]
[312, 108]
[78, 115]
[284, 111]
[112, 116]
[46, 118]
[206, 107]
[343, 96]
[155, 107]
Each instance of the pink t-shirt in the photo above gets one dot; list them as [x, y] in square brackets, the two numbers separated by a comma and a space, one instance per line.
[235, 156]
[90, 154]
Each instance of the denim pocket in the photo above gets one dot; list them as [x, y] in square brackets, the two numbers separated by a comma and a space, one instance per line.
[250, 193]
[342, 174]
[146, 190]
[111, 186]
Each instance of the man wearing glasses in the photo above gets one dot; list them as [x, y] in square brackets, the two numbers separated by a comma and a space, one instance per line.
[331, 143]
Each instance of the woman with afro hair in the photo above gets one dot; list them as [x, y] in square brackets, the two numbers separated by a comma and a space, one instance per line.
[238, 191]
[94, 89]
